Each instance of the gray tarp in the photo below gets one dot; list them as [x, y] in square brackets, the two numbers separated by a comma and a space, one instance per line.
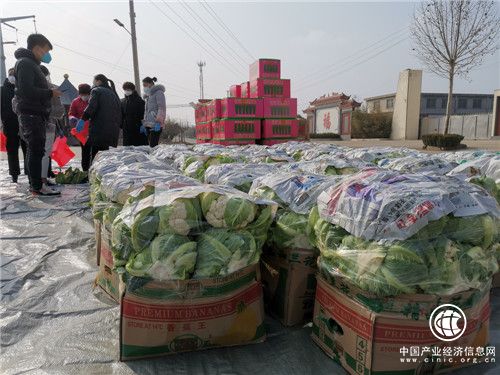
[53, 322]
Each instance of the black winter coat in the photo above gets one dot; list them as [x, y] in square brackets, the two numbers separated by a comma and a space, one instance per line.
[105, 117]
[9, 118]
[132, 113]
[32, 90]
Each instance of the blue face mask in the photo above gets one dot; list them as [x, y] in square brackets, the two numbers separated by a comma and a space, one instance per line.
[46, 58]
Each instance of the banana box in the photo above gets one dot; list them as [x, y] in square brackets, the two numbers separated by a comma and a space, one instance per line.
[108, 278]
[97, 227]
[408, 334]
[159, 318]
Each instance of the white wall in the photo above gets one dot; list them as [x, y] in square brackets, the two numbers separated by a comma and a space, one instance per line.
[406, 116]
[323, 115]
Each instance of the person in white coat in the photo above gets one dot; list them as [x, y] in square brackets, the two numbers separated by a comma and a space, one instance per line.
[155, 110]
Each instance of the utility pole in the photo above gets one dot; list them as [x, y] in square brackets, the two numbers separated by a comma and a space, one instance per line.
[134, 47]
[201, 64]
[3, 70]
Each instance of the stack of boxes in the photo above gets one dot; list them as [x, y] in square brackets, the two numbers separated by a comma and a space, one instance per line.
[258, 111]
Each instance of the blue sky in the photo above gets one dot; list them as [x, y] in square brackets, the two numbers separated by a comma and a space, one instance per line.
[355, 47]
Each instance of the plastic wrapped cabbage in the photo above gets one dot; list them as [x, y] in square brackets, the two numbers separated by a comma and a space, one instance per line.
[223, 251]
[392, 233]
[237, 175]
[110, 213]
[289, 231]
[422, 164]
[182, 216]
[169, 257]
[224, 211]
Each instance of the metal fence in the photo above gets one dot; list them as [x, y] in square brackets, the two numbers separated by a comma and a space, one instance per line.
[470, 126]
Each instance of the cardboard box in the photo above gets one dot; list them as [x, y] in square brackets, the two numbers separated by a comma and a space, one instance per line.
[236, 129]
[97, 228]
[213, 110]
[265, 68]
[204, 130]
[270, 88]
[245, 89]
[280, 128]
[107, 278]
[159, 318]
[235, 91]
[289, 282]
[280, 107]
[367, 334]
[241, 108]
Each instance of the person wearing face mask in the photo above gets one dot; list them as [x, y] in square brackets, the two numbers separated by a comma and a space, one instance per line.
[53, 126]
[10, 125]
[33, 97]
[155, 111]
[105, 115]
[132, 112]
[75, 113]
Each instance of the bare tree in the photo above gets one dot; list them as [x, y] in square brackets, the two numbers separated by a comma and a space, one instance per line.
[453, 37]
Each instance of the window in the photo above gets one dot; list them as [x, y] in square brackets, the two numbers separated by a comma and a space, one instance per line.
[389, 103]
[462, 103]
[476, 103]
[376, 105]
[431, 103]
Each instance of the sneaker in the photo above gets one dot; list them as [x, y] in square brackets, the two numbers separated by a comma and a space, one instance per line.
[45, 191]
[50, 183]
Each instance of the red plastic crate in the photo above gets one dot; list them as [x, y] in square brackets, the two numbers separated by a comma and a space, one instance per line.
[235, 129]
[280, 129]
[245, 89]
[279, 107]
[241, 108]
[231, 142]
[213, 110]
[235, 91]
[265, 68]
[204, 130]
[271, 142]
[270, 88]
[200, 113]
[203, 141]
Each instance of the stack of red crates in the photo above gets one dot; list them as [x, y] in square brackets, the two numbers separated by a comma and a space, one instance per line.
[260, 110]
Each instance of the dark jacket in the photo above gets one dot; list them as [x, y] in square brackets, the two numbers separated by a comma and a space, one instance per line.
[32, 90]
[132, 112]
[8, 116]
[105, 117]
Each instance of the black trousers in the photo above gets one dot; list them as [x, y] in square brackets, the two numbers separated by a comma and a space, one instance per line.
[32, 129]
[86, 156]
[153, 138]
[11, 131]
[95, 149]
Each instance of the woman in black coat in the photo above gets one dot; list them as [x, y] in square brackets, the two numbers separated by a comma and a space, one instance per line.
[105, 115]
[132, 113]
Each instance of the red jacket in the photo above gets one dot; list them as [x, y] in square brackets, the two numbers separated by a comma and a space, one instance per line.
[77, 108]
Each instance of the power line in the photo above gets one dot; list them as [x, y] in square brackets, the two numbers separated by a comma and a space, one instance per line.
[314, 83]
[229, 65]
[216, 37]
[212, 12]
[364, 51]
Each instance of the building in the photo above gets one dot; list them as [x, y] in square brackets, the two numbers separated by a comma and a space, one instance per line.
[434, 104]
[331, 114]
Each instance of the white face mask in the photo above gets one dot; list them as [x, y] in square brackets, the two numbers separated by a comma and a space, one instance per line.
[147, 90]
[12, 79]
[128, 92]
[84, 97]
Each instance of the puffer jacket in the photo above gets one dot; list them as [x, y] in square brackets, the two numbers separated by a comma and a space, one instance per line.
[33, 95]
[105, 115]
[155, 110]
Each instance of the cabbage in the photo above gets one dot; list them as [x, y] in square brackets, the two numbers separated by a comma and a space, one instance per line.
[169, 257]
[180, 217]
[110, 213]
[223, 211]
[479, 230]
[144, 227]
[290, 231]
[260, 226]
[121, 242]
[221, 252]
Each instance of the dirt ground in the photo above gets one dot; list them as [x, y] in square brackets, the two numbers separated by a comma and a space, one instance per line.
[491, 145]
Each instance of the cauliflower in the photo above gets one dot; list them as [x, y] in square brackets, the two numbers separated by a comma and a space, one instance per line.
[222, 211]
[180, 217]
